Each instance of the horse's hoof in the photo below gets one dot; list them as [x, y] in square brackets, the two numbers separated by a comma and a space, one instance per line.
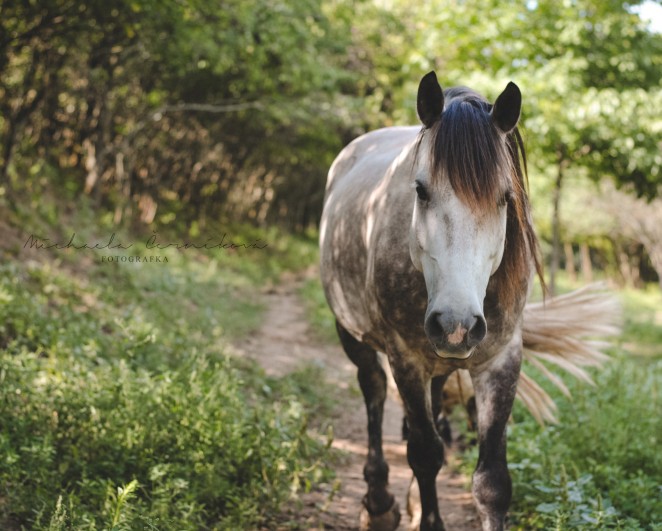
[387, 521]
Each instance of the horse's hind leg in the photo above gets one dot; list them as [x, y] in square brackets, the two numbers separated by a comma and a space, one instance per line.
[380, 509]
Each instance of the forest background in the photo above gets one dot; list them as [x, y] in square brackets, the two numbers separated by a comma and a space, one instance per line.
[182, 113]
[121, 404]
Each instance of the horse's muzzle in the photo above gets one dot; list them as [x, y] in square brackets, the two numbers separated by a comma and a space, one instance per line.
[452, 337]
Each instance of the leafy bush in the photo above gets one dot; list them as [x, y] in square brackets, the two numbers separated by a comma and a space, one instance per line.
[600, 468]
[205, 451]
[120, 409]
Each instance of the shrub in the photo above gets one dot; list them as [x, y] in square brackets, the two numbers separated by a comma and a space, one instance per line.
[600, 468]
[120, 409]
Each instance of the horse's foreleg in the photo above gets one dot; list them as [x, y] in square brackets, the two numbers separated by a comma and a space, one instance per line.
[381, 512]
[494, 388]
[440, 420]
[425, 450]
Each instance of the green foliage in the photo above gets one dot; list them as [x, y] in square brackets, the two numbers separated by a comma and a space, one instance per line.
[189, 101]
[593, 469]
[202, 456]
[121, 409]
[642, 332]
[193, 112]
[599, 468]
[320, 316]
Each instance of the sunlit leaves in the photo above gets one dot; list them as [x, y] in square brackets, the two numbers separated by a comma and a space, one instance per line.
[302, 78]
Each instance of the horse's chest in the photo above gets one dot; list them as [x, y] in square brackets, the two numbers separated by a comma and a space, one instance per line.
[400, 295]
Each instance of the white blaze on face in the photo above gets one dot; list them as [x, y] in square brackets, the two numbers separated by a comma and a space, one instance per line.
[457, 250]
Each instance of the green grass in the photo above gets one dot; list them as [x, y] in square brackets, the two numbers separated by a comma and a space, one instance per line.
[642, 330]
[601, 466]
[120, 406]
[320, 317]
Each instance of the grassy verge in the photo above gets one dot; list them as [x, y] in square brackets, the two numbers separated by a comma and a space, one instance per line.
[600, 467]
[642, 331]
[120, 406]
[322, 321]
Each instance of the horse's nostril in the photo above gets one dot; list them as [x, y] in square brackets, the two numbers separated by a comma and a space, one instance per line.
[477, 331]
[444, 329]
[436, 326]
[433, 326]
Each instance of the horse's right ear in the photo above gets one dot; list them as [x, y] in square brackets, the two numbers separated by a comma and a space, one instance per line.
[430, 99]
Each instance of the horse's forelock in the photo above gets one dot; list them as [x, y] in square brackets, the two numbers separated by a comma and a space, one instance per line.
[466, 148]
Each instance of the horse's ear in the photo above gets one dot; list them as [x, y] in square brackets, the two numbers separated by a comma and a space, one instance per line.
[430, 99]
[507, 107]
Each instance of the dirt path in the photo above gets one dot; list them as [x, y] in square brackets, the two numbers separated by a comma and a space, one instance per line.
[283, 344]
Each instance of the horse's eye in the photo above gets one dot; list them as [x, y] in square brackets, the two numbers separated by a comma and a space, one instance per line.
[421, 192]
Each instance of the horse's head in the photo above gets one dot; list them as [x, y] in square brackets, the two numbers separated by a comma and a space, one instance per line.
[465, 182]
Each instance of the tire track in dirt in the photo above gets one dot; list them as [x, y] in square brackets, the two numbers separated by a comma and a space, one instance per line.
[284, 343]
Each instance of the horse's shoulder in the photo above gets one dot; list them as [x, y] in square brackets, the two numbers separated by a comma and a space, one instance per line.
[384, 139]
[373, 151]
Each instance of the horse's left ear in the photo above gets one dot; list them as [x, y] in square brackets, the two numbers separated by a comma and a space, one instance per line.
[507, 107]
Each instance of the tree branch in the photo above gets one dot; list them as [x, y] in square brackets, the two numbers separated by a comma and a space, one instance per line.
[207, 107]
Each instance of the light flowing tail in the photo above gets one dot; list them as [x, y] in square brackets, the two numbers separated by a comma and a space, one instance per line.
[570, 332]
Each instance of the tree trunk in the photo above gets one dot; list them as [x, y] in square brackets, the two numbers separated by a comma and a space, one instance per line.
[556, 220]
[570, 261]
[655, 255]
[7, 151]
[587, 267]
[98, 151]
[625, 268]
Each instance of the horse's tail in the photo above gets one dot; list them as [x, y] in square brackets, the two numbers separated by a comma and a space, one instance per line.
[564, 331]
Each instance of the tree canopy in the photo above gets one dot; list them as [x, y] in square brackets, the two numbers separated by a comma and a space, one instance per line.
[189, 111]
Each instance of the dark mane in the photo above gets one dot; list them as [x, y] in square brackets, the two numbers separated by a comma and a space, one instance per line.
[467, 149]
[522, 248]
